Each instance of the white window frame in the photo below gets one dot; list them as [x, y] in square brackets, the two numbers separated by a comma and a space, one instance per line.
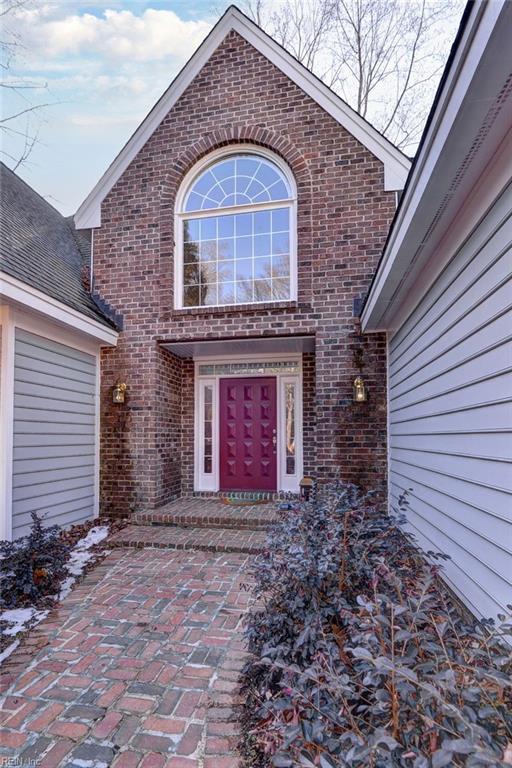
[180, 214]
[287, 480]
[206, 482]
[211, 483]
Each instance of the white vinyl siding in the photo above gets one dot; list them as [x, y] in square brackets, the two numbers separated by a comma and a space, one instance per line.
[450, 415]
[53, 434]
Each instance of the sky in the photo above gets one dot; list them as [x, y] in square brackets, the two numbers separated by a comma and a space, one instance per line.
[99, 67]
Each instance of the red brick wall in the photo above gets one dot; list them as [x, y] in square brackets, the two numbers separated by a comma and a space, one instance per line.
[168, 427]
[128, 458]
[309, 413]
[343, 218]
[187, 439]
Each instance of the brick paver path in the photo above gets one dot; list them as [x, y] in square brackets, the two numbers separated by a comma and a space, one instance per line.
[136, 667]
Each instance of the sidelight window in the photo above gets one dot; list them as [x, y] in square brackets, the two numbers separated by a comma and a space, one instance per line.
[208, 429]
[290, 427]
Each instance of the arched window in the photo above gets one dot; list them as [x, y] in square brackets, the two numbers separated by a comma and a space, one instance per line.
[235, 219]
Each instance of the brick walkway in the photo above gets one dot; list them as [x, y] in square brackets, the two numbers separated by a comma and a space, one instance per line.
[137, 667]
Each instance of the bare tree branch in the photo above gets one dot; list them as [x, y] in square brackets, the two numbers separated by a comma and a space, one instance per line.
[8, 6]
[23, 114]
[382, 56]
[30, 141]
[412, 59]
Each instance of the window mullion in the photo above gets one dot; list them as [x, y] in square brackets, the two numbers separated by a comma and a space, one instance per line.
[242, 253]
[233, 209]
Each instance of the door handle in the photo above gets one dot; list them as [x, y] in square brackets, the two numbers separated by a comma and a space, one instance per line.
[274, 441]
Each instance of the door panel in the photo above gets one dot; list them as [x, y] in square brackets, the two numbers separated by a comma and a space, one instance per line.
[247, 434]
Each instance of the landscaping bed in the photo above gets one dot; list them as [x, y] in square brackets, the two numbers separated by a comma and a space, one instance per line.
[360, 656]
[39, 569]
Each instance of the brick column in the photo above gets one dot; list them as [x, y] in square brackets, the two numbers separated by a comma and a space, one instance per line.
[128, 448]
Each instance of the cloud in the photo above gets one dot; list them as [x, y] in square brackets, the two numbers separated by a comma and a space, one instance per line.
[102, 121]
[105, 63]
[115, 35]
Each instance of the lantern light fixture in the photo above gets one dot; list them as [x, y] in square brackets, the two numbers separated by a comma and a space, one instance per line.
[360, 394]
[118, 393]
[306, 488]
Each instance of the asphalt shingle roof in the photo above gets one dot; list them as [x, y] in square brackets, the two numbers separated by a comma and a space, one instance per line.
[40, 247]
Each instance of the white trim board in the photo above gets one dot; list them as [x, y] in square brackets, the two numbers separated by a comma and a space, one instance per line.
[396, 164]
[36, 301]
[6, 420]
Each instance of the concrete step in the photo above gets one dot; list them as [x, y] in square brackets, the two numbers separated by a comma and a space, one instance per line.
[175, 537]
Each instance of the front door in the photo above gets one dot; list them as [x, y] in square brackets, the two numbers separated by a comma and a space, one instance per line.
[247, 433]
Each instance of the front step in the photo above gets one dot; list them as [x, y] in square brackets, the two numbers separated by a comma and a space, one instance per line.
[204, 539]
[230, 520]
[212, 514]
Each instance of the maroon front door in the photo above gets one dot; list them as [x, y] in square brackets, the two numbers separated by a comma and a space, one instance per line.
[247, 434]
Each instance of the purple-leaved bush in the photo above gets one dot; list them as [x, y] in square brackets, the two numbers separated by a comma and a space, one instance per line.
[33, 566]
[360, 657]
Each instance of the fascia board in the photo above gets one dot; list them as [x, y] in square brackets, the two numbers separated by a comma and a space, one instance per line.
[396, 164]
[395, 263]
[20, 293]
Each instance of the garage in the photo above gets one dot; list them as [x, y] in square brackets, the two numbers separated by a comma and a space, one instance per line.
[53, 433]
[52, 330]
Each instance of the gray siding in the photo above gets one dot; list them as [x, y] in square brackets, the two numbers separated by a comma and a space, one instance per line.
[450, 391]
[54, 433]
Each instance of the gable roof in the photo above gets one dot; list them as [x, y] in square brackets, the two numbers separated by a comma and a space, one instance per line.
[396, 164]
[39, 247]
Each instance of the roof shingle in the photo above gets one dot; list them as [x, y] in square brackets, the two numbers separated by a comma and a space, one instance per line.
[41, 248]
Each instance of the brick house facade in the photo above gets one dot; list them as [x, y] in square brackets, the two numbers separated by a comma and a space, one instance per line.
[241, 102]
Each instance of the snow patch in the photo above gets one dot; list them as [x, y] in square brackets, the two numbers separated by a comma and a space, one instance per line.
[7, 651]
[22, 619]
[80, 556]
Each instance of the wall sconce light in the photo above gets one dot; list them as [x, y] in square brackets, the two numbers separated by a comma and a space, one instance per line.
[360, 394]
[118, 393]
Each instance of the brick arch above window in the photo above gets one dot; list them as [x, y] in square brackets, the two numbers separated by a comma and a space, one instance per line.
[250, 135]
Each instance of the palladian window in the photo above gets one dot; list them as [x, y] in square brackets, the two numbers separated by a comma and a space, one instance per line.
[236, 238]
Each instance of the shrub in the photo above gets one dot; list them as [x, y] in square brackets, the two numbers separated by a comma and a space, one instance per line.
[33, 566]
[359, 655]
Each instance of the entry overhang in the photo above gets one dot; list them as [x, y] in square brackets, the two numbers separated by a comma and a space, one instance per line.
[251, 345]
